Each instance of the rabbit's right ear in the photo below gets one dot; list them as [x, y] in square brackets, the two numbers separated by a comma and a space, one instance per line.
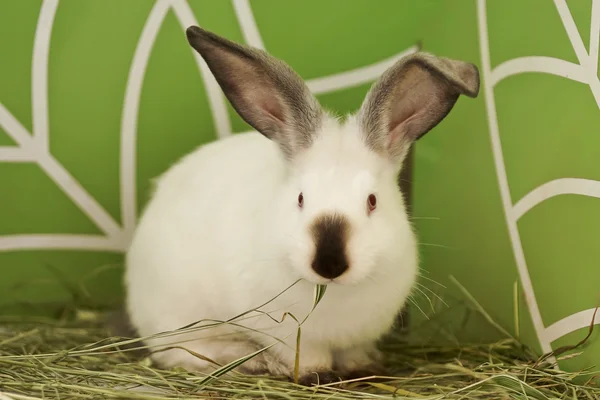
[264, 91]
[412, 97]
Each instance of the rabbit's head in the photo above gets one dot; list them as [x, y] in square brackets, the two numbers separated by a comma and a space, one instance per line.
[342, 214]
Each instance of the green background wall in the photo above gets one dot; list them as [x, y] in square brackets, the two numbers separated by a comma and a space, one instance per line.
[99, 97]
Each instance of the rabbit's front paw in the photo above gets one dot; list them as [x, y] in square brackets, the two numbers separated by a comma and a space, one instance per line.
[359, 362]
[319, 378]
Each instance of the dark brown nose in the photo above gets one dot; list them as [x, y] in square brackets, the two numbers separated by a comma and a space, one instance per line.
[330, 233]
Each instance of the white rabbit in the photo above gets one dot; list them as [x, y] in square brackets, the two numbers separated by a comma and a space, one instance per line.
[309, 196]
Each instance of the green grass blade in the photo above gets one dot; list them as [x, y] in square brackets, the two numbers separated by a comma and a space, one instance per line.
[231, 366]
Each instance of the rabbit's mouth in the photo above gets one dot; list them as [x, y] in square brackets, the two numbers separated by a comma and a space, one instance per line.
[342, 280]
[315, 279]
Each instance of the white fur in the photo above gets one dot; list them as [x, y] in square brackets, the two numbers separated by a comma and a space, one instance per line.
[223, 234]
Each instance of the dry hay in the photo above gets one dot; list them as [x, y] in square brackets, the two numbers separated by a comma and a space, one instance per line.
[77, 358]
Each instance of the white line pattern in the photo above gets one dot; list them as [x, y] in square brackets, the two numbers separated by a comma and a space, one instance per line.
[131, 107]
[585, 72]
[579, 320]
[546, 65]
[585, 59]
[356, 77]
[14, 128]
[247, 22]
[56, 241]
[15, 155]
[572, 32]
[73, 189]
[39, 73]
[216, 98]
[513, 230]
[595, 38]
[557, 187]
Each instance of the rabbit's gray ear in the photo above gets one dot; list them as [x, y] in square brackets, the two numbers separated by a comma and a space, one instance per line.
[264, 91]
[412, 97]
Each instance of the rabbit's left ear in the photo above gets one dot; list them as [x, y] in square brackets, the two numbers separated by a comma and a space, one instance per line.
[266, 92]
[412, 97]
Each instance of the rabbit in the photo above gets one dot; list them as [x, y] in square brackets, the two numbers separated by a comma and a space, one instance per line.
[307, 198]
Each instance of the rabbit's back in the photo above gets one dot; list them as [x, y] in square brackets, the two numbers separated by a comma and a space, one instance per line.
[200, 224]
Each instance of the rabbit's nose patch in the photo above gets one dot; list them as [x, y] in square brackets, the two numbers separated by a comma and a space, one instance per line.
[330, 233]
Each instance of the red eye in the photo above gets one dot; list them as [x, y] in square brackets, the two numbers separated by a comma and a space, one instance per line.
[300, 200]
[372, 202]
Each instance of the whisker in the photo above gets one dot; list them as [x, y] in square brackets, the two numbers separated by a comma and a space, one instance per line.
[427, 297]
[433, 293]
[414, 302]
[433, 281]
[401, 320]
[435, 245]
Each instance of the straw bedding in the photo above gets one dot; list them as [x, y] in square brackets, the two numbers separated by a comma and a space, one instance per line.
[75, 357]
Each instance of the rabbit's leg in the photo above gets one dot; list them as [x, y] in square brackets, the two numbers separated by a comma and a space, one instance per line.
[201, 356]
[359, 361]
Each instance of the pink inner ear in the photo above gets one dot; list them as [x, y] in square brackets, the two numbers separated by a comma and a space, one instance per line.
[399, 125]
[257, 92]
[271, 106]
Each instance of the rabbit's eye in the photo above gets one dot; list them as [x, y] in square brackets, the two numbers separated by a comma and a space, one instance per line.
[371, 202]
[300, 200]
